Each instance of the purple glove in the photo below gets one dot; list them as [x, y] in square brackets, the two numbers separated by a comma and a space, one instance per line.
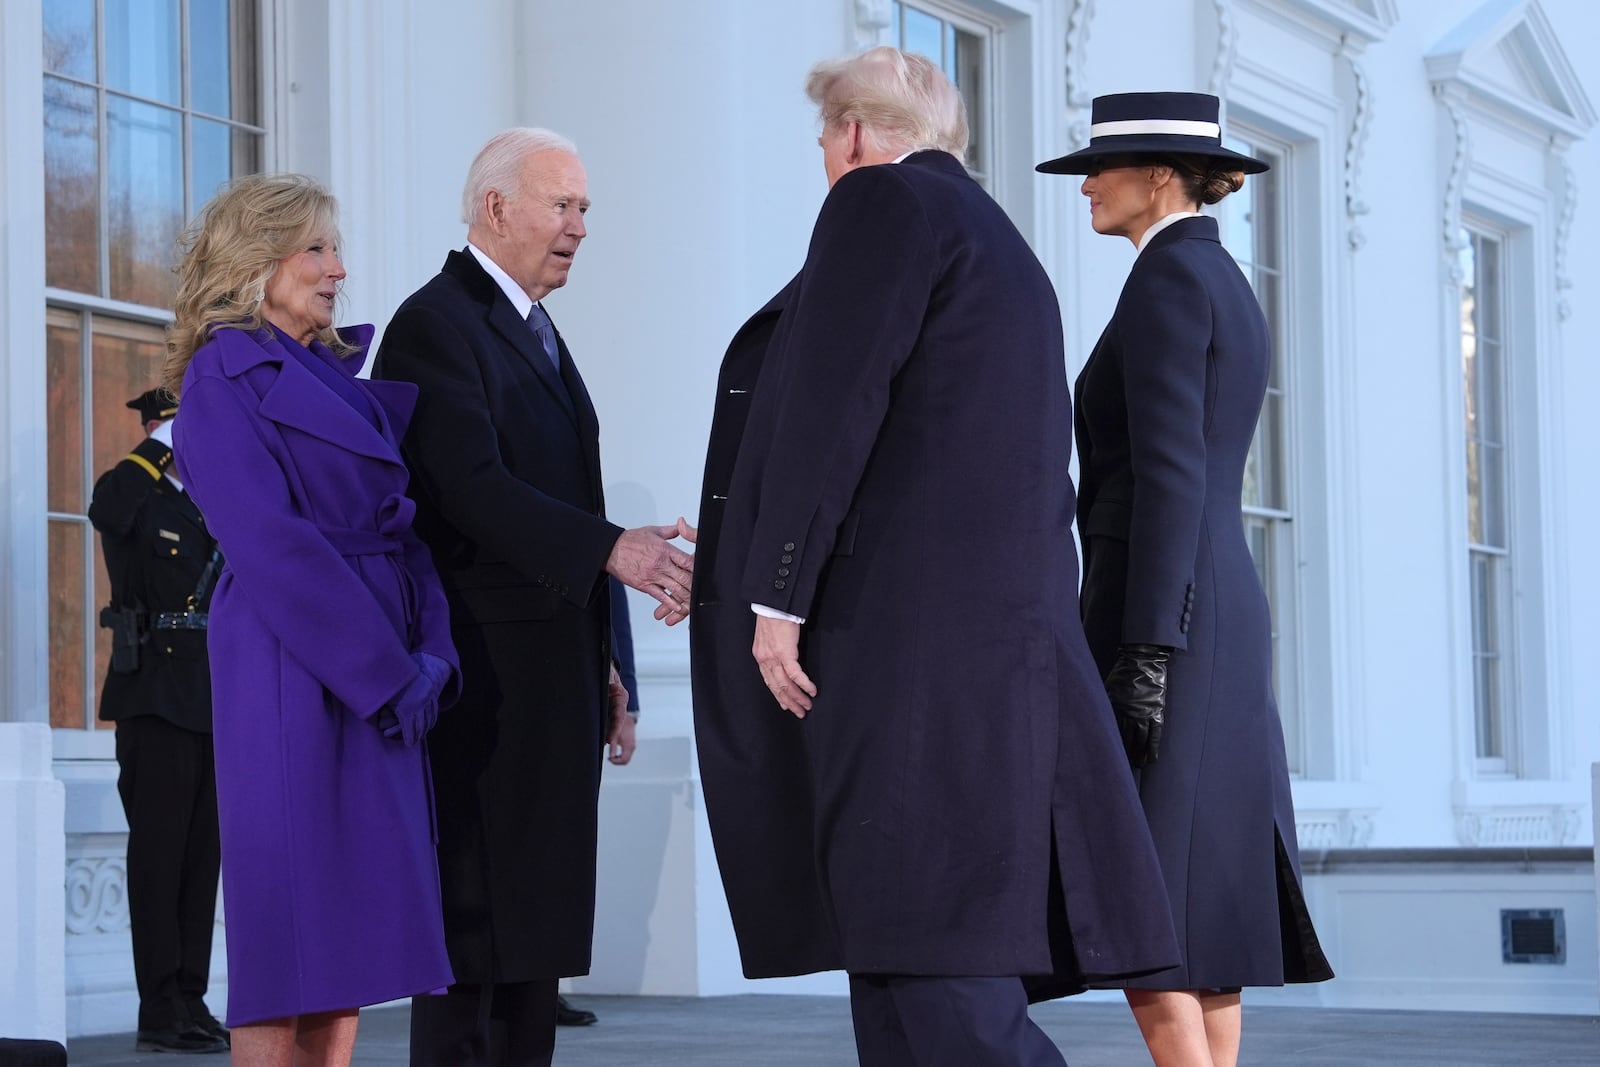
[437, 671]
[412, 714]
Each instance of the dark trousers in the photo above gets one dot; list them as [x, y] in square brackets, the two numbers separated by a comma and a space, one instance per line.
[509, 1024]
[915, 1021]
[168, 784]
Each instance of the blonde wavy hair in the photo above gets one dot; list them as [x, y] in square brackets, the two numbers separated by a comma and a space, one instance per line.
[902, 100]
[229, 253]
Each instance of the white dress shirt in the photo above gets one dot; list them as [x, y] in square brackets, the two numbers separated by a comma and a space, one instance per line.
[1150, 234]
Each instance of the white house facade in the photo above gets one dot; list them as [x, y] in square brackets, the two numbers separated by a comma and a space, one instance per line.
[1420, 499]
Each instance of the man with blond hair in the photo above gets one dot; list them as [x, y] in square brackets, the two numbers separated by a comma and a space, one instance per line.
[919, 779]
[505, 461]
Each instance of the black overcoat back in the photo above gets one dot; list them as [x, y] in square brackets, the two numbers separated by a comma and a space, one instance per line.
[505, 462]
[1167, 406]
[901, 483]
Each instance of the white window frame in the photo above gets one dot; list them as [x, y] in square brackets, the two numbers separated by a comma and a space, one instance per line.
[1520, 217]
[1499, 391]
[1281, 583]
[87, 742]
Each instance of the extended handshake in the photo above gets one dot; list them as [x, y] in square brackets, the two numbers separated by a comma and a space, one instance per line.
[931, 756]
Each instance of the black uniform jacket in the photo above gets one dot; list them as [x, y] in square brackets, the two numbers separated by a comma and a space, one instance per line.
[155, 544]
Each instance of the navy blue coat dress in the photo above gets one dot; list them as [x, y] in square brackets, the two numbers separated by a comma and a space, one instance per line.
[1167, 406]
[955, 802]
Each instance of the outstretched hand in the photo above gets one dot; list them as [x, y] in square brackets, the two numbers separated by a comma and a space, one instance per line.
[644, 559]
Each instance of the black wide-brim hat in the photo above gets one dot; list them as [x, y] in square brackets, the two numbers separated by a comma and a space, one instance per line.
[154, 405]
[1153, 124]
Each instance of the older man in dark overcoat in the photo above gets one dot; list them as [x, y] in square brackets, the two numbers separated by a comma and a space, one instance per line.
[504, 449]
[931, 793]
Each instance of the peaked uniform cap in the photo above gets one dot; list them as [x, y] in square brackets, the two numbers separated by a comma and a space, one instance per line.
[1153, 124]
[154, 405]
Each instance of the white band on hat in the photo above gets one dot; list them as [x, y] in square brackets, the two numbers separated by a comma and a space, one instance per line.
[1178, 127]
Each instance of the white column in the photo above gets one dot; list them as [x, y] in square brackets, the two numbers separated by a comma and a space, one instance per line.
[1594, 811]
[33, 844]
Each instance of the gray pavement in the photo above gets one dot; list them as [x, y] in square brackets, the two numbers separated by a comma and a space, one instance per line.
[791, 1031]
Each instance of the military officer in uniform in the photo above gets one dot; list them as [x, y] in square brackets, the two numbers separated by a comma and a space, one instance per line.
[162, 563]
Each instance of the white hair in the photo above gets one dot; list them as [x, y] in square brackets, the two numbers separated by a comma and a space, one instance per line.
[902, 100]
[498, 165]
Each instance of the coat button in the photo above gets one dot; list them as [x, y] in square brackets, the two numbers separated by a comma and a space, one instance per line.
[779, 584]
[789, 547]
[786, 558]
[783, 572]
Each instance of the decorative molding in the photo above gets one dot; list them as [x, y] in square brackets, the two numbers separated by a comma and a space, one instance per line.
[1366, 20]
[1355, 205]
[1507, 59]
[872, 18]
[1569, 206]
[1079, 16]
[1322, 830]
[1521, 826]
[1227, 49]
[97, 895]
[1453, 241]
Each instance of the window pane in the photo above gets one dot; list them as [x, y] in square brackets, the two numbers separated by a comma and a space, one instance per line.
[1485, 682]
[1488, 287]
[1493, 459]
[1486, 658]
[222, 60]
[969, 78]
[1270, 434]
[102, 636]
[71, 187]
[1492, 400]
[145, 199]
[923, 33]
[219, 152]
[127, 361]
[1254, 490]
[69, 38]
[1475, 503]
[68, 707]
[1256, 532]
[64, 412]
[1264, 214]
[142, 49]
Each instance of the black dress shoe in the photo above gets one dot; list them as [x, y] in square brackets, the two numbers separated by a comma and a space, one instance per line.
[567, 1015]
[188, 1038]
[209, 1024]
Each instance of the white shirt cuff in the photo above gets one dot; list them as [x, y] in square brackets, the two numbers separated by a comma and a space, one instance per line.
[774, 613]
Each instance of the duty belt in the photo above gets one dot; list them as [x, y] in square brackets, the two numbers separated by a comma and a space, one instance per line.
[179, 620]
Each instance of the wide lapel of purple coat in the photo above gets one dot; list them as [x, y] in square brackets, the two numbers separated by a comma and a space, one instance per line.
[297, 398]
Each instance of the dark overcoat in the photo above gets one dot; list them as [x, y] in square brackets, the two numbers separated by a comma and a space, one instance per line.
[156, 547]
[754, 783]
[1167, 406]
[330, 883]
[955, 802]
[506, 461]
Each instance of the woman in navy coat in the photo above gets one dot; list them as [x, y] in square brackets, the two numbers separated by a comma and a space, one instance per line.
[329, 634]
[1167, 405]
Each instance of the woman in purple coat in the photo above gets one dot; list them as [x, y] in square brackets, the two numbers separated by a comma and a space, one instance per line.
[329, 635]
[1166, 407]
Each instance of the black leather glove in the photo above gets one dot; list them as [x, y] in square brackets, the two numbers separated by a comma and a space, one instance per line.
[1137, 686]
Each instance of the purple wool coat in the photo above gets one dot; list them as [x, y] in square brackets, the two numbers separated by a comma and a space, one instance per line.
[330, 878]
